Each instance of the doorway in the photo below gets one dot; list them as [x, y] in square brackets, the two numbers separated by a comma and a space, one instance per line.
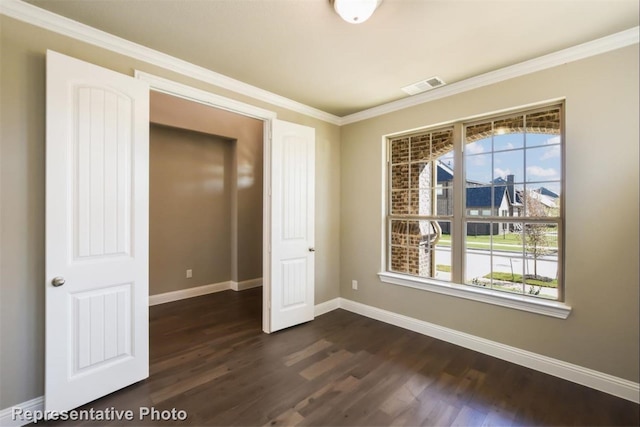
[206, 199]
[97, 219]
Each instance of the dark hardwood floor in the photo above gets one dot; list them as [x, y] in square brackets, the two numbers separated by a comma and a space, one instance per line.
[210, 358]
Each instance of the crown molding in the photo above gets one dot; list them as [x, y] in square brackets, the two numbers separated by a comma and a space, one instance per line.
[575, 53]
[50, 21]
[33, 15]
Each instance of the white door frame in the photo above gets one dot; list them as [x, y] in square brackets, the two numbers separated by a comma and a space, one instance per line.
[180, 90]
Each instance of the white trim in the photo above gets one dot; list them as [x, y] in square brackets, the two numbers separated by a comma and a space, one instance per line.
[616, 386]
[204, 290]
[189, 293]
[575, 53]
[327, 306]
[266, 227]
[246, 284]
[50, 21]
[6, 415]
[190, 93]
[187, 92]
[503, 299]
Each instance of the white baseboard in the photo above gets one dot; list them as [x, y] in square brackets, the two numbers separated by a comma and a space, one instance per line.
[6, 415]
[247, 284]
[188, 293]
[203, 290]
[610, 384]
[327, 306]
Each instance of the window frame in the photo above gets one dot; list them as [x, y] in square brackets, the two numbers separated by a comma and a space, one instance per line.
[389, 215]
[457, 287]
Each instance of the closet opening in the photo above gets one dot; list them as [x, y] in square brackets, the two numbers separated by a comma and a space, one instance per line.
[205, 199]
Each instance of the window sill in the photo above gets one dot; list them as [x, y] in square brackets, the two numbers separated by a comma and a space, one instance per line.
[518, 302]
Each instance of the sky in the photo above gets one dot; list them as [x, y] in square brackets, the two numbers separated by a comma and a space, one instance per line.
[533, 159]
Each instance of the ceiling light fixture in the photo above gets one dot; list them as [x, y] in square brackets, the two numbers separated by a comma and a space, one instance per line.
[355, 11]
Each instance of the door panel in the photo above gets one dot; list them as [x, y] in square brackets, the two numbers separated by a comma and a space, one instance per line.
[292, 255]
[96, 232]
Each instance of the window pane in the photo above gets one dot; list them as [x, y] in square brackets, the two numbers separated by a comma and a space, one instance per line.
[421, 248]
[545, 287]
[542, 122]
[479, 200]
[441, 142]
[398, 262]
[537, 204]
[508, 133]
[446, 160]
[400, 177]
[399, 202]
[478, 132]
[398, 232]
[507, 272]
[541, 200]
[542, 139]
[481, 146]
[445, 200]
[478, 168]
[507, 239]
[479, 235]
[421, 175]
[543, 164]
[422, 238]
[541, 245]
[478, 268]
[421, 148]
[421, 202]
[508, 165]
[445, 170]
[541, 259]
[400, 150]
[443, 252]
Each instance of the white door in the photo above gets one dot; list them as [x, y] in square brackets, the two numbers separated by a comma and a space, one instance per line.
[97, 322]
[292, 225]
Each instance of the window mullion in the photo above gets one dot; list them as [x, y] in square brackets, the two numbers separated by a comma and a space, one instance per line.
[457, 225]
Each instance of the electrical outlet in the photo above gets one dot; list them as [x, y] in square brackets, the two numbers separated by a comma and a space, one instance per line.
[354, 285]
[189, 274]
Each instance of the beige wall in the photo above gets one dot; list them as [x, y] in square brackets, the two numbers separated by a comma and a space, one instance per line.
[189, 208]
[22, 150]
[602, 332]
[246, 167]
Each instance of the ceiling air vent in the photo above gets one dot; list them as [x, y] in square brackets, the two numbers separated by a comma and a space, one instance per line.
[423, 85]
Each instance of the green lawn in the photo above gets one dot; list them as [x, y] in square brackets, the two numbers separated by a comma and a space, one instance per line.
[510, 242]
[517, 278]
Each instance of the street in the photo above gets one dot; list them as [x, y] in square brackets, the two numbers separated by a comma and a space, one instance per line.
[478, 263]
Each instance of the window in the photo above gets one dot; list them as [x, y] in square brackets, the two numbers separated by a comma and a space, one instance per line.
[421, 206]
[479, 204]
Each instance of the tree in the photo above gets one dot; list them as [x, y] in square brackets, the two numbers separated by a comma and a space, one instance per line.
[536, 237]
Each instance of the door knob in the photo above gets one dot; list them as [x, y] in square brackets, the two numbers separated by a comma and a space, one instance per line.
[312, 249]
[58, 281]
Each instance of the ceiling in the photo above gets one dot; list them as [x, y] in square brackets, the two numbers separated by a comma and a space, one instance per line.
[302, 50]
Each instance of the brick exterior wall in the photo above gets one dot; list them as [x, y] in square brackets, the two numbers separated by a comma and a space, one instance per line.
[412, 193]
[545, 122]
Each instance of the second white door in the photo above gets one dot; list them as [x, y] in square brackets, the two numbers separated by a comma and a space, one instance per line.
[292, 230]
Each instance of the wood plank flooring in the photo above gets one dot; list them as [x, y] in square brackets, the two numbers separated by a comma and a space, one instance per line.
[210, 358]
